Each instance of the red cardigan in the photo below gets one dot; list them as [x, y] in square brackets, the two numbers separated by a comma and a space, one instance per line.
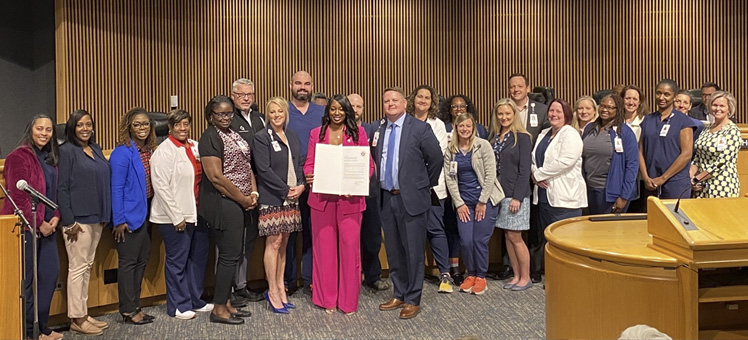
[22, 163]
[318, 202]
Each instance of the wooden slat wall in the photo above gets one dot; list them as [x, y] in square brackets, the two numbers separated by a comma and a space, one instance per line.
[113, 55]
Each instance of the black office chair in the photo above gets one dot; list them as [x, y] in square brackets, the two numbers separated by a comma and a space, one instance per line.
[600, 94]
[542, 94]
[695, 97]
[160, 124]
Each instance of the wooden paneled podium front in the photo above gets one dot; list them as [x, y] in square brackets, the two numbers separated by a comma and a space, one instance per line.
[684, 273]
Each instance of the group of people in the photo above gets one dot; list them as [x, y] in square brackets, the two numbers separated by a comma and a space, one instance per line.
[435, 172]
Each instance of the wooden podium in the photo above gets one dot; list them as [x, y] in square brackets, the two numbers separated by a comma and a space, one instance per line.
[684, 273]
[11, 275]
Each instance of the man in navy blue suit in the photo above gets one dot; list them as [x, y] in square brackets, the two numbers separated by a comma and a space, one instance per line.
[408, 163]
[371, 224]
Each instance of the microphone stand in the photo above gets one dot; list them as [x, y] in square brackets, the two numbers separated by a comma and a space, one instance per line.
[25, 223]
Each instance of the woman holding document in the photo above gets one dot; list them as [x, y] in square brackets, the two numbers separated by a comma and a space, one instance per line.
[336, 219]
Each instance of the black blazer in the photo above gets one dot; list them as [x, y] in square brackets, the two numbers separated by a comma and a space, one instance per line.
[516, 161]
[419, 165]
[699, 112]
[542, 111]
[272, 166]
[78, 190]
[374, 186]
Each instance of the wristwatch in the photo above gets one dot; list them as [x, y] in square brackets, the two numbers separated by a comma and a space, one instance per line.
[68, 228]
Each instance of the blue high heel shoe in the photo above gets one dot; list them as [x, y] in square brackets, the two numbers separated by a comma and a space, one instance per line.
[289, 305]
[282, 310]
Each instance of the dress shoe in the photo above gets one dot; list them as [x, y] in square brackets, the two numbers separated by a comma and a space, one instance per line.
[240, 313]
[85, 328]
[505, 274]
[238, 301]
[289, 305]
[248, 295]
[231, 320]
[184, 315]
[392, 304]
[291, 290]
[409, 311]
[52, 336]
[97, 323]
[207, 308]
[129, 319]
[378, 285]
[517, 288]
[282, 310]
[536, 277]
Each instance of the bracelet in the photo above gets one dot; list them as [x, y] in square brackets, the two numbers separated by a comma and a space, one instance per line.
[68, 228]
[255, 193]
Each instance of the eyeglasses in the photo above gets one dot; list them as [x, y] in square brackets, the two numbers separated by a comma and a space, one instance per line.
[607, 108]
[138, 126]
[462, 106]
[224, 115]
[244, 95]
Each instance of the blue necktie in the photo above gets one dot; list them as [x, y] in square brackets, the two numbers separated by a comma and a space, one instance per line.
[389, 181]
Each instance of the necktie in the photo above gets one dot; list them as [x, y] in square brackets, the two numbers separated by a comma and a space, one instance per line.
[389, 181]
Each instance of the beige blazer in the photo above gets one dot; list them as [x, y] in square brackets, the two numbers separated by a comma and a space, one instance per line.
[484, 165]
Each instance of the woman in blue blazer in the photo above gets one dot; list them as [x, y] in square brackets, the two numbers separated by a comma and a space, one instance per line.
[610, 159]
[131, 196]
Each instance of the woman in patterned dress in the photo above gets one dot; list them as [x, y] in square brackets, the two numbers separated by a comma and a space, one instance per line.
[279, 182]
[226, 195]
[714, 171]
[512, 146]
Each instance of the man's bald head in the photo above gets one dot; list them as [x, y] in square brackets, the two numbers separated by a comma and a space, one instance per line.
[357, 102]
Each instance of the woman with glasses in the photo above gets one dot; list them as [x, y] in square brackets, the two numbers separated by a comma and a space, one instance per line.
[85, 198]
[227, 194]
[666, 146]
[610, 159]
[455, 106]
[132, 192]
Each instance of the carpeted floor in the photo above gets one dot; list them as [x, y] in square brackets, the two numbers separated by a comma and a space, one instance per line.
[498, 314]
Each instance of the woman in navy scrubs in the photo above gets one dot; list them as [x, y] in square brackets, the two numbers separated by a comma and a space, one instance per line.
[665, 146]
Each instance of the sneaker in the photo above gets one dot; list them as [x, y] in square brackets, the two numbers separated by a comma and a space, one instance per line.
[207, 308]
[86, 328]
[97, 323]
[458, 278]
[467, 285]
[480, 286]
[185, 316]
[446, 284]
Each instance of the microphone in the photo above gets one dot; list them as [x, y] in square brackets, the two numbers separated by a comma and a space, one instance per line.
[677, 204]
[37, 196]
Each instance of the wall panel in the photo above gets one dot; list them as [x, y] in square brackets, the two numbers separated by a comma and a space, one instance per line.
[113, 55]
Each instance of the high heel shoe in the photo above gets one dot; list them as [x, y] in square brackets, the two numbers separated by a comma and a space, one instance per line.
[289, 305]
[282, 310]
[127, 318]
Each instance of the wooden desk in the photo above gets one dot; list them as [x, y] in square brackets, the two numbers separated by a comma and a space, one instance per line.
[603, 277]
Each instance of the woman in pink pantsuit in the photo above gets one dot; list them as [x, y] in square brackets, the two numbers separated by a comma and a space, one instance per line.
[336, 220]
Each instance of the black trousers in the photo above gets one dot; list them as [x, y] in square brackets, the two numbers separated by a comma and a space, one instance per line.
[371, 240]
[132, 255]
[48, 269]
[229, 241]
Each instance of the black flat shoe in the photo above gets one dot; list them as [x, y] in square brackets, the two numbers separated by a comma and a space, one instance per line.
[241, 313]
[229, 321]
[142, 321]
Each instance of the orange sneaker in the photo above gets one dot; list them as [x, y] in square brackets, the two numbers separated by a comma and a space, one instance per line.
[480, 286]
[467, 285]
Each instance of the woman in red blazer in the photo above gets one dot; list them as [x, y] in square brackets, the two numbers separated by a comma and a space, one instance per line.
[336, 220]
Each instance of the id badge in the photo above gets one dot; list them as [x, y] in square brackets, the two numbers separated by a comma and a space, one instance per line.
[453, 168]
[533, 120]
[618, 144]
[276, 146]
[721, 144]
[243, 145]
[665, 129]
[375, 139]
